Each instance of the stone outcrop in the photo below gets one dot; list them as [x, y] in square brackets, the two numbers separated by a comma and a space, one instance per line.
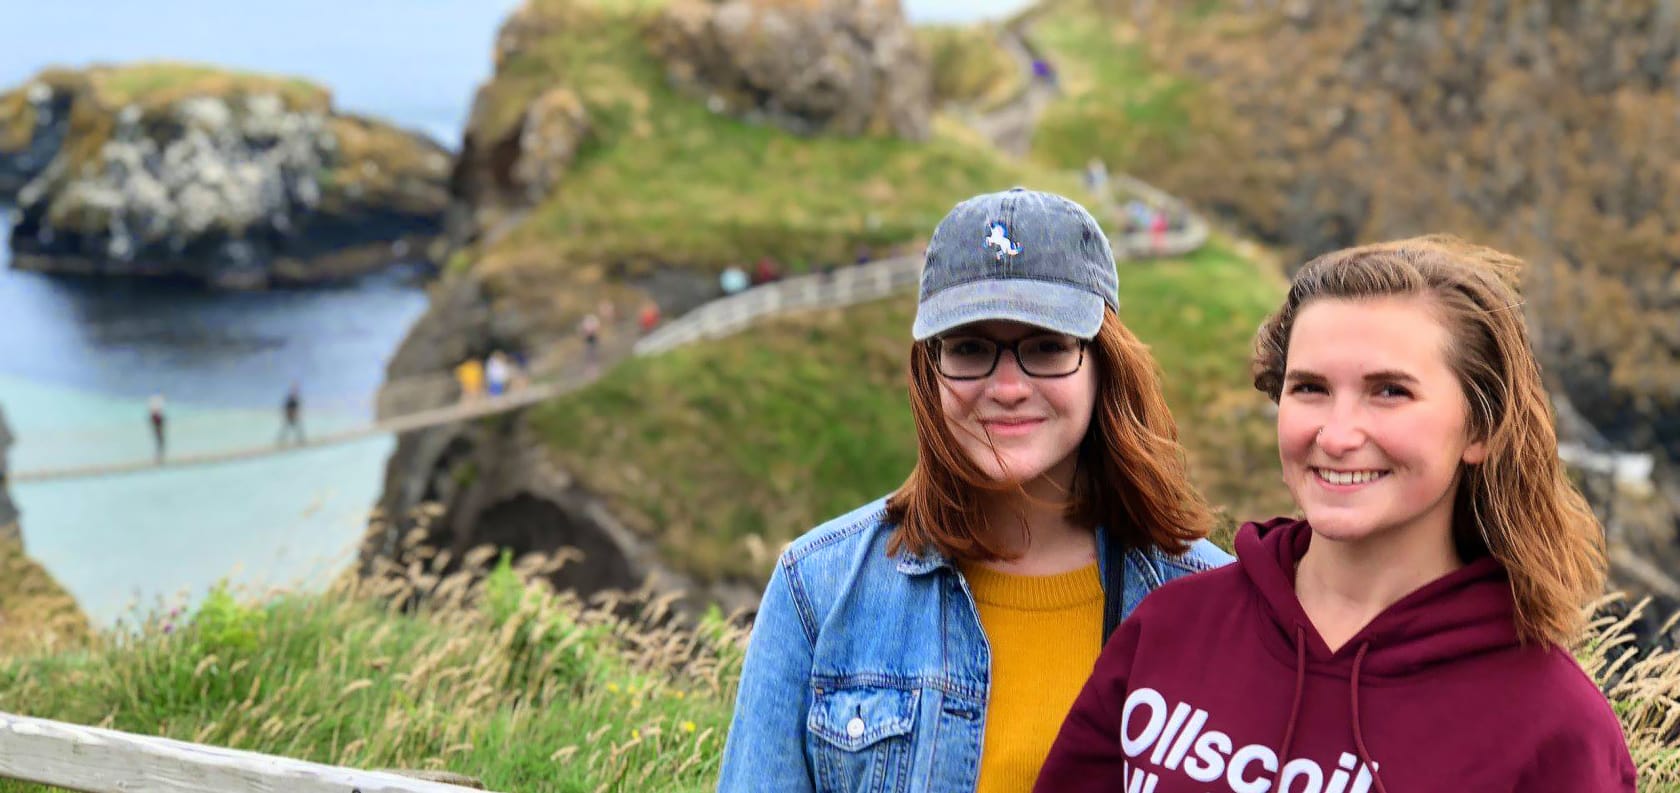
[35, 611]
[1536, 127]
[233, 180]
[502, 172]
[493, 484]
[8, 510]
[847, 67]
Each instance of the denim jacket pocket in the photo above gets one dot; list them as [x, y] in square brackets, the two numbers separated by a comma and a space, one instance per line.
[862, 738]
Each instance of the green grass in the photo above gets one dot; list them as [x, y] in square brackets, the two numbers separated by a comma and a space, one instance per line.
[725, 450]
[509, 684]
[158, 83]
[504, 682]
[970, 66]
[1116, 104]
[662, 180]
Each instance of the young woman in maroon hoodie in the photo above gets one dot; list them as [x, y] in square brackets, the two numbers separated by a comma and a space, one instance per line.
[1409, 635]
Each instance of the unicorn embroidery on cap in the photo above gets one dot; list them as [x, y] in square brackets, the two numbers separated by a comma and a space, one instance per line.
[999, 236]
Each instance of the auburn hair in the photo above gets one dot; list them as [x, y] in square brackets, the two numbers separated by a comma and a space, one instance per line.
[1131, 477]
[1517, 505]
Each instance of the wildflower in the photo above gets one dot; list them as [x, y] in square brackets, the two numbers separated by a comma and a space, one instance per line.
[688, 726]
[636, 734]
[168, 627]
[679, 695]
[613, 687]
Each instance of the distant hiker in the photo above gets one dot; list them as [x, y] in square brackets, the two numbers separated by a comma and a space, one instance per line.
[470, 376]
[649, 318]
[607, 311]
[291, 414]
[497, 373]
[1044, 72]
[766, 271]
[590, 329]
[1158, 231]
[155, 408]
[1096, 177]
[733, 280]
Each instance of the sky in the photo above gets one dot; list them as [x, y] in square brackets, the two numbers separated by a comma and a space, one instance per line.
[416, 62]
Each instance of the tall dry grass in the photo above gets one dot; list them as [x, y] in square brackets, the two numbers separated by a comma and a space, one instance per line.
[490, 675]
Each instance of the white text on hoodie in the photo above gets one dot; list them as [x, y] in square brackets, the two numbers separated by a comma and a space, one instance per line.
[1177, 739]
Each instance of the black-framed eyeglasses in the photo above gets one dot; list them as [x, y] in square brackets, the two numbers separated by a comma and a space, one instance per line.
[970, 357]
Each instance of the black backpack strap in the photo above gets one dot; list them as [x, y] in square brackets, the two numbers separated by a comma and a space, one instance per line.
[1114, 586]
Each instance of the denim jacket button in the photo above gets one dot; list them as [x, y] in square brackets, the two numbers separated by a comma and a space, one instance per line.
[854, 728]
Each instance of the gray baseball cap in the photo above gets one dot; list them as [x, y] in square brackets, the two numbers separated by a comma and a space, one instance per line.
[1021, 255]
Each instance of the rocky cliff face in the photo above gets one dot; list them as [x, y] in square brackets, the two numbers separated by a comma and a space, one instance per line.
[850, 67]
[8, 511]
[35, 612]
[234, 180]
[492, 483]
[1543, 128]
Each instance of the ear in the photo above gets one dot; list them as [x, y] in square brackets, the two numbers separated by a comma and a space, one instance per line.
[1475, 453]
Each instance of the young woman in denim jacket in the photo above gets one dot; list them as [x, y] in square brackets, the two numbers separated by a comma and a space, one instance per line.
[933, 640]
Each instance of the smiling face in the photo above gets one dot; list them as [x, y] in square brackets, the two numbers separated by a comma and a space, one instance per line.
[1372, 423]
[1034, 423]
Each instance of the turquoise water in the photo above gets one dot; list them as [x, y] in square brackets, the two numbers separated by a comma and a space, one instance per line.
[163, 536]
[78, 360]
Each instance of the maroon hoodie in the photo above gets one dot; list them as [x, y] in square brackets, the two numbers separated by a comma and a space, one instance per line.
[1217, 676]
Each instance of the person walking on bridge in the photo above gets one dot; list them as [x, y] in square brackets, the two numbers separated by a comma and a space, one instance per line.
[155, 408]
[497, 373]
[291, 414]
[469, 375]
[590, 327]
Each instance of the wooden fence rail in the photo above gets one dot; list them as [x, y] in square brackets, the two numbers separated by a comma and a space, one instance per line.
[94, 760]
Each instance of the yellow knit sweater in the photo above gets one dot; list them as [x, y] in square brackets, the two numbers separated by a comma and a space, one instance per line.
[1045, 632]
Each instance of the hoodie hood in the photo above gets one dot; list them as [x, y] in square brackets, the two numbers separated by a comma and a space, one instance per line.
[1464, 613]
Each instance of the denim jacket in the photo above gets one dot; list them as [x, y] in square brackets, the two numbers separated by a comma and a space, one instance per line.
[869, 673]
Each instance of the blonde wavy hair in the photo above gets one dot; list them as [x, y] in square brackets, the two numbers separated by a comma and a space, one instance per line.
[1517, 505]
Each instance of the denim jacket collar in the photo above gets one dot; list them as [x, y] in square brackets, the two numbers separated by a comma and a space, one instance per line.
[913, 564]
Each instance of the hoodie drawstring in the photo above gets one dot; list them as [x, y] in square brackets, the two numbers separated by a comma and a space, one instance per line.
[1300, 691]
[1358, 736]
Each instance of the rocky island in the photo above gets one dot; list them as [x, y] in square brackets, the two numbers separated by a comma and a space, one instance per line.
[231, 179]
